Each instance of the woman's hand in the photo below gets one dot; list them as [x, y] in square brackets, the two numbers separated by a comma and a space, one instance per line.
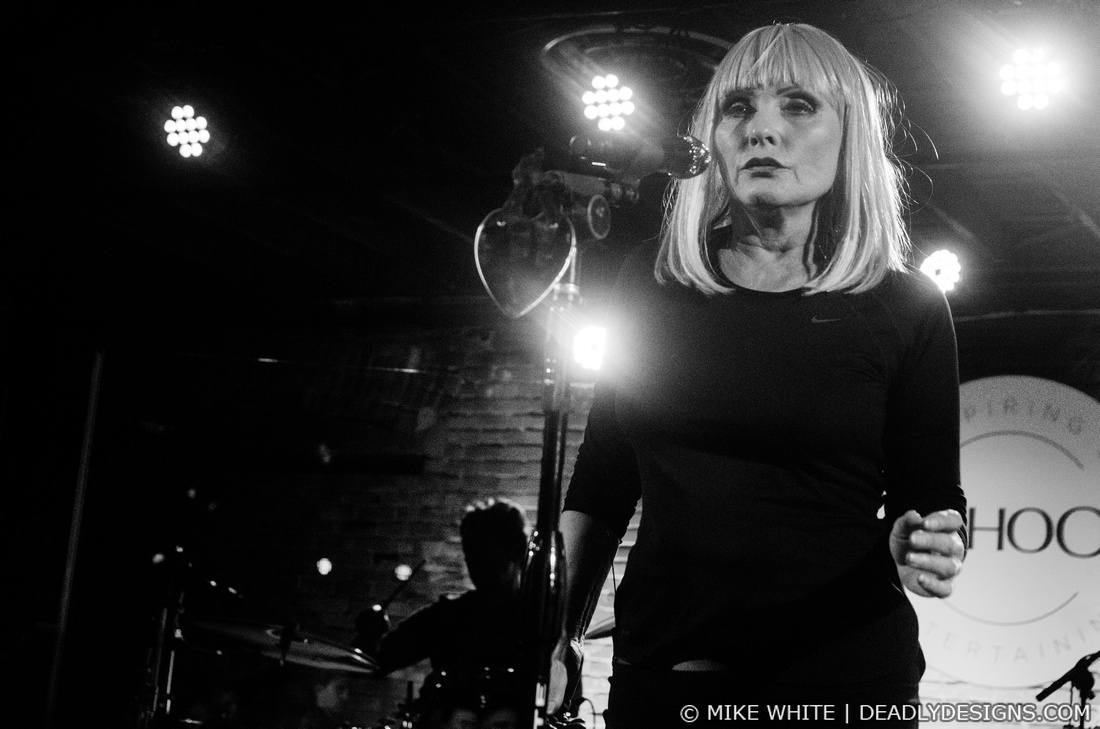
[565, 673]
[928, 551]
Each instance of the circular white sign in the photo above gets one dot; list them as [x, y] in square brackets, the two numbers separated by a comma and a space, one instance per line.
[1026, 607]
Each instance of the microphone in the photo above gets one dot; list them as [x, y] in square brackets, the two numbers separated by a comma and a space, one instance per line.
[634, 157]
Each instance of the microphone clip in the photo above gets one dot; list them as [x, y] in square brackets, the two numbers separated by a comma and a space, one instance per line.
[584, 199]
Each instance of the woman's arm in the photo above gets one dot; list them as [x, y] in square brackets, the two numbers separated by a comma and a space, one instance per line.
[590, 548]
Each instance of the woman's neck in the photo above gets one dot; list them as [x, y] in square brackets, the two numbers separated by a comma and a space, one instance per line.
[769, 252]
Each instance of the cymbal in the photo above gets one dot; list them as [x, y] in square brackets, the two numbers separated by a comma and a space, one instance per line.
[282, 642]
[601, 630]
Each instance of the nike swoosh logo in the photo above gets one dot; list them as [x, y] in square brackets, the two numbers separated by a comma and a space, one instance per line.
[818, 320]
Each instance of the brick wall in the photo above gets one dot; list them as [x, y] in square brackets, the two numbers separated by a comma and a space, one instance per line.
[480, 437]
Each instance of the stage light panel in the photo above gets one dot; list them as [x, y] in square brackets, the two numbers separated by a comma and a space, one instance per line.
[186, 131]
[1032, 78]
[944, 268]
[589, 344]
[607, 103]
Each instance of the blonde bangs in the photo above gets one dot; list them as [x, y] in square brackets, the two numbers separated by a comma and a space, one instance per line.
[781, 56]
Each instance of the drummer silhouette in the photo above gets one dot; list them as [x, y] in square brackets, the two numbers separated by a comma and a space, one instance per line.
[472, 639]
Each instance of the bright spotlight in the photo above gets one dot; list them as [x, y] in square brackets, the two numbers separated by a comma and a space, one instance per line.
[186, 131]
[588, 347]
[942, 267]
[1031, 78]
[607, 102]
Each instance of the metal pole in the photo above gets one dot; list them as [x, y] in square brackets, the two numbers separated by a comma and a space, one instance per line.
[74, 536]
[544, 574]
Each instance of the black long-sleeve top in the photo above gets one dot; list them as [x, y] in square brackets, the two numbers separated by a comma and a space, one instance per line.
[763, 432]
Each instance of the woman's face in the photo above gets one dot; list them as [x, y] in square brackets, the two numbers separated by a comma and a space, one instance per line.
[779, 146]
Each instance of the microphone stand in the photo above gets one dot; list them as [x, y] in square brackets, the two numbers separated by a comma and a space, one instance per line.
[544, 572]
[1080, 678]
[585, 197]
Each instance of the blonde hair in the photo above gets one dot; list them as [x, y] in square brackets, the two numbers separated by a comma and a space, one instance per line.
[858, 231]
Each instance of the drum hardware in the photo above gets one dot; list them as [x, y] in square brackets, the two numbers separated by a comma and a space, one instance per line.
[161, 664]
[374, 622]
[182, 584]
[407, 717]
[481, 693]
[284, 643]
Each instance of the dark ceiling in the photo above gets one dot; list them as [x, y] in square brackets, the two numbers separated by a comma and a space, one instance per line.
[354, 153]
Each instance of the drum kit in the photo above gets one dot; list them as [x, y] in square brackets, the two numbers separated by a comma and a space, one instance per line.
[219, 647]
[230, 663]
[486, 699]
[214, 671]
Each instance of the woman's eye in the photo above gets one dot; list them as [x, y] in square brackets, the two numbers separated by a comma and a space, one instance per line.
[738, 108]
[801, 106]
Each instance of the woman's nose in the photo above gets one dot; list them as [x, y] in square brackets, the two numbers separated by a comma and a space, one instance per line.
[763, 129]
[762, 133]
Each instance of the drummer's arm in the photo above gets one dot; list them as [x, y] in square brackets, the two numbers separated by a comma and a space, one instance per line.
[410, 642]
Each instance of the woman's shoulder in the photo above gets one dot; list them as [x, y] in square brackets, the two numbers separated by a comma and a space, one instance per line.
[907, 301]
[910, 288]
